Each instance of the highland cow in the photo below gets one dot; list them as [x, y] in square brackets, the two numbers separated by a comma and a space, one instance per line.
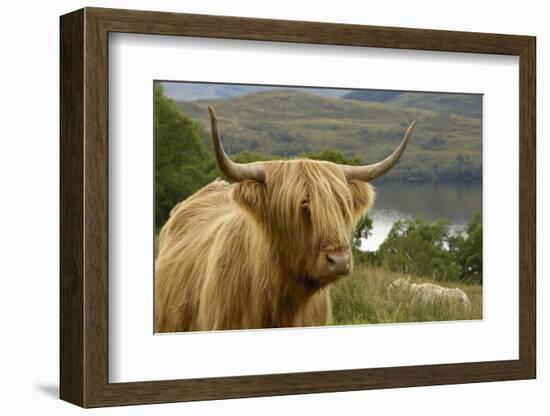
[263, 251]
[428, 292]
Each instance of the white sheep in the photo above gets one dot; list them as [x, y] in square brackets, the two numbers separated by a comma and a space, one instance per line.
[428, 292]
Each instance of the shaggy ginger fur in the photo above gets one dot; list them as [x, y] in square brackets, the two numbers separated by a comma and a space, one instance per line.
[428, 292]
[247, 255]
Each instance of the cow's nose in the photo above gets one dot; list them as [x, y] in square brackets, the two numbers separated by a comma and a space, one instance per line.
[338, 263]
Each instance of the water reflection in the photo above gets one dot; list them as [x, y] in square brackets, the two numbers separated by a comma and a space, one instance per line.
[398, 201]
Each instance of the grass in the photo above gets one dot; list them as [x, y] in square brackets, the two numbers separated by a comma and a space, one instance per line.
[364, 298]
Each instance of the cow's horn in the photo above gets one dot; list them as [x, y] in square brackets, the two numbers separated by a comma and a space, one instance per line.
[370, 172]
[236, 171]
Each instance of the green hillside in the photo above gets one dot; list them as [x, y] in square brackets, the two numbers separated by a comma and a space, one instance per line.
[288, 122]
[380, 96]
[465, 105]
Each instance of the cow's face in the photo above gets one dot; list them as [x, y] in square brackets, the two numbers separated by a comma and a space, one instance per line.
[309, 211]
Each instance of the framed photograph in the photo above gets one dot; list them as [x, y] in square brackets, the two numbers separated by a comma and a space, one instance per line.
[255, 207]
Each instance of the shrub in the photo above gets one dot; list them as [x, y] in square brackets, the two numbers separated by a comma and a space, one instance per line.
[468, 251]
[420, 247]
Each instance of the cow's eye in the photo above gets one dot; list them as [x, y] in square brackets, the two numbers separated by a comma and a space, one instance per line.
[305, 206]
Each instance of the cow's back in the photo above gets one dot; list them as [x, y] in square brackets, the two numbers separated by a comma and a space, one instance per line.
[183, 248]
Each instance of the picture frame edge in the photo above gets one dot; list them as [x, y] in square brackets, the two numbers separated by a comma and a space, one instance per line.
[84, 214]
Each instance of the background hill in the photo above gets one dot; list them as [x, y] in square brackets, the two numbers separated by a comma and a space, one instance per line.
[288, 122]
[380, 96]
[193, 91]
[181, 91]
[466, 105]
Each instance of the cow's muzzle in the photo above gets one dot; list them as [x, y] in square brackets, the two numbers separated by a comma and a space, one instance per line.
[337, 263]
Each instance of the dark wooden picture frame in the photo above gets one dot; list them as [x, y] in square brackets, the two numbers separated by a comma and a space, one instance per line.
[84, 207]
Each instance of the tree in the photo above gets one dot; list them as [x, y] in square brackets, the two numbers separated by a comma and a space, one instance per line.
[468, 251]
[182, 162]
[420, 247]
[331, 155]
[362, 231]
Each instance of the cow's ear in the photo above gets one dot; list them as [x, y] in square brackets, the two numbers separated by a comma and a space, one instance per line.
[363, 196]
[251, 196]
